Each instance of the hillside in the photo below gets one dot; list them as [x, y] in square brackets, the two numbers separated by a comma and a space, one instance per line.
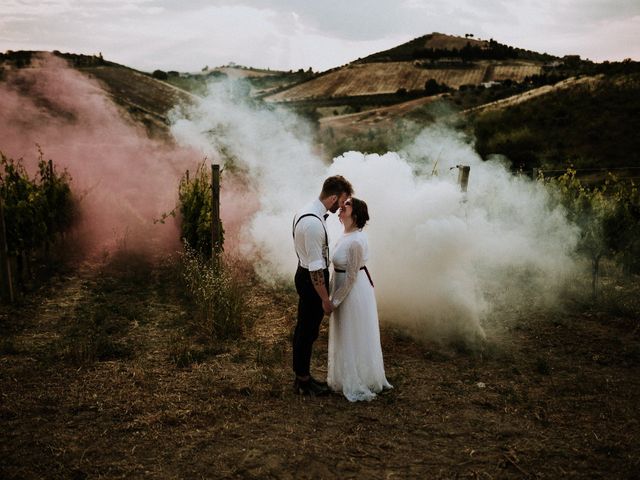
[436, 41]
[260, 81]
[589, 123]
[360, 79]
[439, 45]
[450, 61]
[513, 100]
[588, 120]
[146, 99]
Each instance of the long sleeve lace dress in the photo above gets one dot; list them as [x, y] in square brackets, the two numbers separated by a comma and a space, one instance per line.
[355, 366]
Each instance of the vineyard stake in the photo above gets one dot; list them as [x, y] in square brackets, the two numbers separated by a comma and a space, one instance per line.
[463, 176]
[216, 244]
[7, 283]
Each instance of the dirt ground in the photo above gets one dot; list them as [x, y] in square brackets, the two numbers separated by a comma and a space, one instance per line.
[554, 396]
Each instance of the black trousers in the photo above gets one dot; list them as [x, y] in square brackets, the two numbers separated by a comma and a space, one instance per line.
[310, 316]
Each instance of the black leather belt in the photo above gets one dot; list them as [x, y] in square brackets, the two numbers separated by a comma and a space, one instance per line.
[366, 270]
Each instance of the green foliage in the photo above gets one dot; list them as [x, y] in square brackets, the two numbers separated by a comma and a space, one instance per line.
[195, 83]
[160, 75]
[194, 196]
[36, 209]
[211, 282]
[622, 225]
[587, 207]
[608, 216]
[59, 205]
[218, 294]
[432, 87]
[279, 80]
[595, 124]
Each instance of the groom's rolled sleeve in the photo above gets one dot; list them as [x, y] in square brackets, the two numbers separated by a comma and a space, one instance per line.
[314, 239]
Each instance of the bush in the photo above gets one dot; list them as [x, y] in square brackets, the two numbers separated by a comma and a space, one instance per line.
[608, 216]
[194, 195]
[36, 210]
[160, 75]
[432, 87]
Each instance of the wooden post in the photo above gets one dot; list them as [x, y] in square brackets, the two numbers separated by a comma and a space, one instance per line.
[47, 245]
[216, 240]
[463, 176]
[5, 268]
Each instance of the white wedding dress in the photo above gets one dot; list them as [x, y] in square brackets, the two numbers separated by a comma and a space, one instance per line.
[355, 365]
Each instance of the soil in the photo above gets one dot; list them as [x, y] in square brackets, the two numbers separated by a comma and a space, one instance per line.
[553, 396]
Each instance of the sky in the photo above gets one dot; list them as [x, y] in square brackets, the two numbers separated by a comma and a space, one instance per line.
[188, 35]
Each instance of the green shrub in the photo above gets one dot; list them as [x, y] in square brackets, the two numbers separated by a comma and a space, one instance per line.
[608, 216]
[36, 210]
[194, 195]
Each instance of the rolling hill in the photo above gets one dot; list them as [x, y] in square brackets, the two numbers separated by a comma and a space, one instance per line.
[379, 78]
[146, 99]
[450, 61]
[566, 111]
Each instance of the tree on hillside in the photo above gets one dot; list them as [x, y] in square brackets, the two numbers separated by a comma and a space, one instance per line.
[160, 75]
[432, 87]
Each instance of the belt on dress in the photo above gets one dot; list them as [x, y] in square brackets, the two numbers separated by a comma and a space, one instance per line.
[366, 270]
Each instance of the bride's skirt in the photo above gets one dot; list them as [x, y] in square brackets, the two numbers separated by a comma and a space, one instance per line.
[355, 365]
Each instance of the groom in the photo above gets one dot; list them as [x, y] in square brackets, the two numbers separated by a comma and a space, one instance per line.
[312, 278]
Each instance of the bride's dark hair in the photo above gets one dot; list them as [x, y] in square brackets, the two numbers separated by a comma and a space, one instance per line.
[359, 212]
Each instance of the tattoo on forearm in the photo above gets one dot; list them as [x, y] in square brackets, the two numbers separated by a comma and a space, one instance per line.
[317, 278]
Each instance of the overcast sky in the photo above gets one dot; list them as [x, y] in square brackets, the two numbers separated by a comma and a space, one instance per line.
[186, 35]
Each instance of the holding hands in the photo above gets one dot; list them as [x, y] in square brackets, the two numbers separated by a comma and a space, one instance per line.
[327, 306]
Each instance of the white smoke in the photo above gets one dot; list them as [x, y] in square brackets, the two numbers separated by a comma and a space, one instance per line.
[442, 261]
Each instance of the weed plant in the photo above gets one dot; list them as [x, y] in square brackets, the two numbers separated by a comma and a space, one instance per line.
[217, 291]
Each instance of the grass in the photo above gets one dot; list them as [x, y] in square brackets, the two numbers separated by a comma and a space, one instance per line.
[218, 293]
[8, 346]
[97, 328]
[542, 366]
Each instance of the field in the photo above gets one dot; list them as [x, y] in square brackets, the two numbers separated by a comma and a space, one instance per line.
[105, 371]
[103, 376]
[387, 77]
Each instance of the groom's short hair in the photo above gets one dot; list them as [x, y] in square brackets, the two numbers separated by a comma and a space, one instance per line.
[336, 185]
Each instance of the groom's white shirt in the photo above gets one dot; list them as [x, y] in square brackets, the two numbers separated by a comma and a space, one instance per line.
[310, 237]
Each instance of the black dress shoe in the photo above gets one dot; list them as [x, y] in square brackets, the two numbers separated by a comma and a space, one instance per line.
[309, 388]
[318, 382]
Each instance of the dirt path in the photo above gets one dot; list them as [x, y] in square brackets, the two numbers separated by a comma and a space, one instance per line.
[552, 397]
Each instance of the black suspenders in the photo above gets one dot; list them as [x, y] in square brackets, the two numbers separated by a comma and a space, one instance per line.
[326, 237]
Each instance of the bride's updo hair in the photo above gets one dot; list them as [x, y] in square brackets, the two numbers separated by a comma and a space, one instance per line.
[359, 212]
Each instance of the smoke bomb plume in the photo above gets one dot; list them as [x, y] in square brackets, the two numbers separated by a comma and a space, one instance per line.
[124, 179]
[443, 261]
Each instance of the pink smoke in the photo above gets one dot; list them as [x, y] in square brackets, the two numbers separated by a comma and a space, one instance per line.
[125, 179]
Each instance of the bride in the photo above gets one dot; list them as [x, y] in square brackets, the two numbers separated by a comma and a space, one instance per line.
[355, 365]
